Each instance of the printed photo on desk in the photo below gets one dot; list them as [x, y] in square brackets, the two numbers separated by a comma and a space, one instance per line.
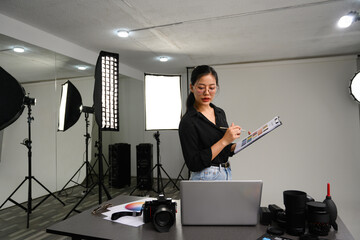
[134, 221]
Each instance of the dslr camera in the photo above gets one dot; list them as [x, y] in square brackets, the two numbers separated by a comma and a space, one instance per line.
[161, 212]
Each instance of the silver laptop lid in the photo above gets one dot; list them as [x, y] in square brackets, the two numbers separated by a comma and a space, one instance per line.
[234, 202]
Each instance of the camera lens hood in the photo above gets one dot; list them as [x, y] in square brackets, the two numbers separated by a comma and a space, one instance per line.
[295, 207]
[294, 200]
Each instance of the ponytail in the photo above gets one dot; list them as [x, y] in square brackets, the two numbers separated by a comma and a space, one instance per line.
[190, 101]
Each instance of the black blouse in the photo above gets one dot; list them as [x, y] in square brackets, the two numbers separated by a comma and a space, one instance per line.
[197, 135]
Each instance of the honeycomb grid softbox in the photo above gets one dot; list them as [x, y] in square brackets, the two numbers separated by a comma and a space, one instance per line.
[106, 86]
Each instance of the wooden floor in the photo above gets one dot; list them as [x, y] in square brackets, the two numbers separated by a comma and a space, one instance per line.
[13, 220]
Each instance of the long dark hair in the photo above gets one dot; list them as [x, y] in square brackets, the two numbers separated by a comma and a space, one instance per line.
[196, 74]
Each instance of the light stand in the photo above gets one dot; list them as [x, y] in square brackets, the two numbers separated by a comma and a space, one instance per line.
[101, 169]
[158, 98]
[180, 176]
[188, 70]
[103, 158]
[100, 181]
[89, 168]
[105, 106]
[27, 143]
[158, 167]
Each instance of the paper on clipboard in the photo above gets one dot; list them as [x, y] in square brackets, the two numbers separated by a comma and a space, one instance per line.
[259, 133]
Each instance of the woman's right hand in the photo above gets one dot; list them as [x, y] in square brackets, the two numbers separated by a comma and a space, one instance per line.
[232, 133]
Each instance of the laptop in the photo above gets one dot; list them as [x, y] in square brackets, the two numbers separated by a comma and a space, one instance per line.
[235, 202]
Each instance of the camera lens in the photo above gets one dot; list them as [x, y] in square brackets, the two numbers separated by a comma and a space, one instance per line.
[318, 218]
[163, 219]
[295, 203]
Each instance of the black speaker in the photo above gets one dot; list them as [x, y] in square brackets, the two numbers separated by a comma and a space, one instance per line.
[119, 164]
[144, 160]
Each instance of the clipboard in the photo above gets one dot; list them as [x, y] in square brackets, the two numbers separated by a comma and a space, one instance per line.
[259, 133]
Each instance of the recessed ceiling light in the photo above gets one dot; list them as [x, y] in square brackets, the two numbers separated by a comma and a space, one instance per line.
[82, 68]
[18, 49]
[163, 59]
[123, 33]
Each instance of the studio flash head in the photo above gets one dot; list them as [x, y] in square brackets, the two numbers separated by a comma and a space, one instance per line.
[28, 101]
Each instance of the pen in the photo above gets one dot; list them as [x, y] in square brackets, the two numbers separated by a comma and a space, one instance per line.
[243, 130]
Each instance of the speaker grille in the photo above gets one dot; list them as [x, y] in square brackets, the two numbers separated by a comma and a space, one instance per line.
[119, 161]
[144, 160]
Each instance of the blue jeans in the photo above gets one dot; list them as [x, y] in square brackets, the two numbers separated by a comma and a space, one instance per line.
[212, 173]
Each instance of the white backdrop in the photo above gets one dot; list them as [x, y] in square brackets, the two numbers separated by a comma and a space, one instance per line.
[319, 140]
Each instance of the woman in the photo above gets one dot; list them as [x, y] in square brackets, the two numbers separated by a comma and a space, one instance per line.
[205, 137]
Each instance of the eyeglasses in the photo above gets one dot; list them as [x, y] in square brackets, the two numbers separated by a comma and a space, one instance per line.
[203, 88]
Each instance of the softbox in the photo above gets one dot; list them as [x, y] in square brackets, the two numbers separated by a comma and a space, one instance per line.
[12, 96]
[70, 106]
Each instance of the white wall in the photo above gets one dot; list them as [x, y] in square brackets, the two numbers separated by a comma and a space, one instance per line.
[319, 140]
[55, 155]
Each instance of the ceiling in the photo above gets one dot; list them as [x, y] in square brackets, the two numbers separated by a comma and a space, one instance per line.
[195, 32]
[38, 64]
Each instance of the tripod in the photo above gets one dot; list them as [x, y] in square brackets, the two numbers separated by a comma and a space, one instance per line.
[159, 167]
[104, 159]
[180, 176]
[29, 209]
[100, 181]
[89, 168]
